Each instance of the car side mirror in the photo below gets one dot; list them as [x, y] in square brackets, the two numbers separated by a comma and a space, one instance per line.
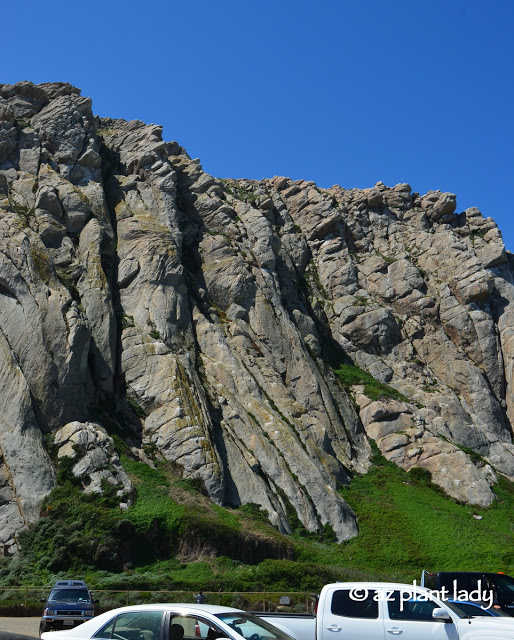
[441, 614]
[42, 600]
[96, 601]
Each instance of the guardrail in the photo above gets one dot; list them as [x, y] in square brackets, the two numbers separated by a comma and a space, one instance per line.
[26, 601]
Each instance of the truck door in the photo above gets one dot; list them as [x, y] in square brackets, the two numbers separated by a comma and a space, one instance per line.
[350, 614]
[408, 616]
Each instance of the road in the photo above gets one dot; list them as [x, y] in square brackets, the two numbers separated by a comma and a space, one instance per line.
[25, 626]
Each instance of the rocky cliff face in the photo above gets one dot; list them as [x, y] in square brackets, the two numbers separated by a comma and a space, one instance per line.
[214, 316]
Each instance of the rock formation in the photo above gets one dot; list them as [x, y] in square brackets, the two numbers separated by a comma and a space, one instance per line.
[215, 314]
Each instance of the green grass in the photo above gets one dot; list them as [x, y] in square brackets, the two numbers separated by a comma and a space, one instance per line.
[153, 506]
[350, 375]
[407, 524]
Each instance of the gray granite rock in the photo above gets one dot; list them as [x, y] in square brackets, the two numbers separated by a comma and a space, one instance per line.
[97, 460]
[219, 309]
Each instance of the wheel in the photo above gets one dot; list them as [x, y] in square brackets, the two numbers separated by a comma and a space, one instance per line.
[42, 628]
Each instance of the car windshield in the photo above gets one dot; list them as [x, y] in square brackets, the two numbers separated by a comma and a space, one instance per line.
[477, 609]
[252, 627]
[70, 595]
[468, 610]
[455, 609]
[499, 613]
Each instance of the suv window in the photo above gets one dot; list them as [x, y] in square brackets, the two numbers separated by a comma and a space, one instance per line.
[348, 603]
[463, 581]
[504, 583]
[412, 609]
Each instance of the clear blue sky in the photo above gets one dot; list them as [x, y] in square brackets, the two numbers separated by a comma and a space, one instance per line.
[339, 92]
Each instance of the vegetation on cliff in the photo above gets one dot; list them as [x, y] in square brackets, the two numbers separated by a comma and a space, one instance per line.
[175, 538]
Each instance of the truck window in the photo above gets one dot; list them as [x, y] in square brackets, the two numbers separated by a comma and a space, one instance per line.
[70, 595]
[412, 609]
[355, 603]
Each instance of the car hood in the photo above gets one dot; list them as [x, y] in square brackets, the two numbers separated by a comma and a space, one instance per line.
[488, 622]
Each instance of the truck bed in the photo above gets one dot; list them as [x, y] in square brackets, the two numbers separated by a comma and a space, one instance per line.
[301, 626]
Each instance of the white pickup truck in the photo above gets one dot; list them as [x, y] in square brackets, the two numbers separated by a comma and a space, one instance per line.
[379, 611]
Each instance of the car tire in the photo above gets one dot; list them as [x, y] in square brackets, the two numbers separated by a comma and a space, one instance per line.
[42, 628]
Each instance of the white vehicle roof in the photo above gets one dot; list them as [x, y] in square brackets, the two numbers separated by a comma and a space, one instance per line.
[84, 630]
[376, 585]
[213, 609]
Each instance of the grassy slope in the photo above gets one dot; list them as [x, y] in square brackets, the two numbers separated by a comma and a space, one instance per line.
[406, 525]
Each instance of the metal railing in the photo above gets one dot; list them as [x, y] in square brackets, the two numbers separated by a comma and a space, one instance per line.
[26, 601]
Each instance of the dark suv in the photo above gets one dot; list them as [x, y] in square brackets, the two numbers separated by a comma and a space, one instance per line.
[70, 602]
[474, 582]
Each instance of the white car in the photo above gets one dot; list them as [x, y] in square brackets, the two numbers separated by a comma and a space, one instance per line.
[172, 622]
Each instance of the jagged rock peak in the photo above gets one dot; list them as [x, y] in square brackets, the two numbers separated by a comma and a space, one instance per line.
[257, 334]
